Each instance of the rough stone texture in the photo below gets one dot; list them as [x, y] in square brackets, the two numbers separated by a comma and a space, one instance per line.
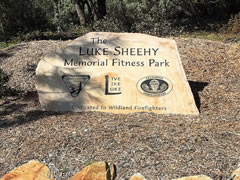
[33, 170]
[236, 174]
[149, 78]
[201, 177]
[137, 176]
[237, 177]
[96, 171]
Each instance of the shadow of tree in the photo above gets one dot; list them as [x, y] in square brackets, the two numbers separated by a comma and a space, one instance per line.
[8, 52]
[30, 116]
[197, 87]
[5, 54]
[14, 111]
[5, 90]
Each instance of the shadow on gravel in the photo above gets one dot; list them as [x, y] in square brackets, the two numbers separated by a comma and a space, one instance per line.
[197, 87]
[14, 110]
[5, 54]
[10, 51]
[30, 116]
[24, 118]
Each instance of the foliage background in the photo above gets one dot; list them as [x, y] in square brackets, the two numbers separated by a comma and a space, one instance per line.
[55, 19]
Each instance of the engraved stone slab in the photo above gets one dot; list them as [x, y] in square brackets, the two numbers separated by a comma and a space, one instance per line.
[115, 72]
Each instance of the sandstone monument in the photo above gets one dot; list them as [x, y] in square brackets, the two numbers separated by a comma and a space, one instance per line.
[117, 73]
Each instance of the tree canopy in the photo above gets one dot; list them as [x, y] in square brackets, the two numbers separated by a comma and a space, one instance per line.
[156, 16]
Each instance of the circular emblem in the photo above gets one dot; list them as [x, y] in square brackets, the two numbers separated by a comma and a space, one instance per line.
[154, 86]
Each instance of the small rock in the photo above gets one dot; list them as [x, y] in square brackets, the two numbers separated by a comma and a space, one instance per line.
[237, 177]
[96, 171]
[29, 171]
[201, 177]
[137, 176]
[236, 174]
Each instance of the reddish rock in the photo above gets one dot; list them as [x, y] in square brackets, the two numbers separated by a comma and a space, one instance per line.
[137, 177]
[237, 177]
[96, 171]
[236, 174]
[32, 170]
[201, 177]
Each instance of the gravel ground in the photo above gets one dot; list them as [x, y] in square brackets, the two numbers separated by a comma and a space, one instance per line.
[157, 146]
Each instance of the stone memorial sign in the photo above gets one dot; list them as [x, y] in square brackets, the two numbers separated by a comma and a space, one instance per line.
[115, 72]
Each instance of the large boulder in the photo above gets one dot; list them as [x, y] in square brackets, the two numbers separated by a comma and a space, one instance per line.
[115, 72]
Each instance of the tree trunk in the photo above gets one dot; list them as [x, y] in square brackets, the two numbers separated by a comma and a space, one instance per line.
[94, 9]
[192, 8]
[101, 5]
[91, 10]
[56, 14]
[80, 12]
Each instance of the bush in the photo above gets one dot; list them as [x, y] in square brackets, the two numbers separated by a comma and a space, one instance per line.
[108, 25]
[233, 25]
[24, 16]
[71, 33]
[152, 20]
[135, 16]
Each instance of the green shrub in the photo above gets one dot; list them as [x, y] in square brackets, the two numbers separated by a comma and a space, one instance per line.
[107, 25]
[233, 25]
[136, 16]
[3, 45]
[72, 32]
